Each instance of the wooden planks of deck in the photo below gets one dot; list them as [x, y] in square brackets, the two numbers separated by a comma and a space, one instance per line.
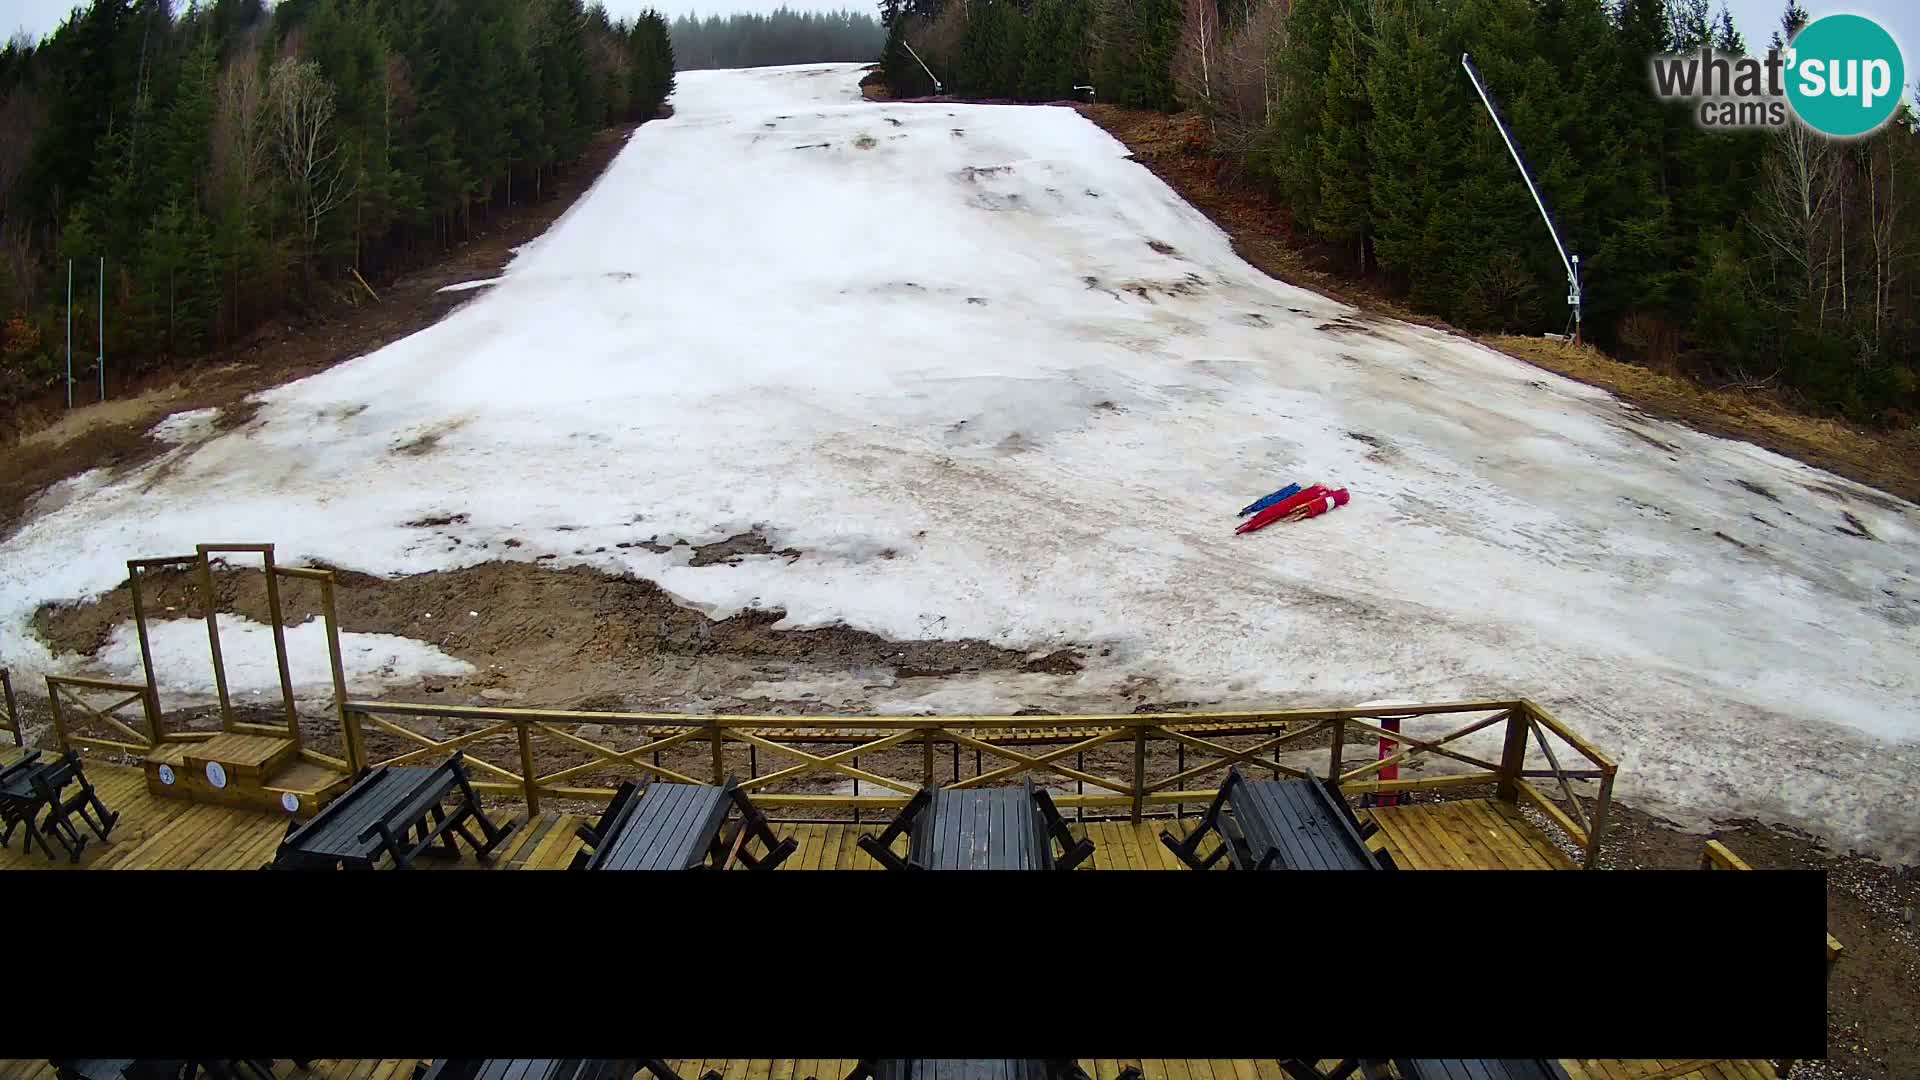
[1469, 834]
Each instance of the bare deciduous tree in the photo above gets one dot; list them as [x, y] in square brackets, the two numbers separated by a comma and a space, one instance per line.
[1196, 57]
[1243, 86]
[1884, 203]
[239, 126]
[1794, 207]
[309, 154]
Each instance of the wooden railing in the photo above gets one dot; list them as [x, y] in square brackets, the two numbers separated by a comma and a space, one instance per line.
[11, 720]
[70, 710]
[1056, 746]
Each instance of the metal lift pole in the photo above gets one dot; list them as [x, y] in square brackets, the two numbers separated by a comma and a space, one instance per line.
[1571, 262]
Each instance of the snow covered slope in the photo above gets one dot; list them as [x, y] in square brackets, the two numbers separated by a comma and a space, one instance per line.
[980, 341]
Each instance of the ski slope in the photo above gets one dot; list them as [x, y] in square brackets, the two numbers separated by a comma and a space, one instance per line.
[997, 381]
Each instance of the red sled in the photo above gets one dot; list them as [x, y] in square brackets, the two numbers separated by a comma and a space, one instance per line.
[1336, 497]
[1281, 509]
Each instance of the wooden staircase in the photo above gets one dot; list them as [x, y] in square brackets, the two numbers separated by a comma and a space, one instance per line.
[249, 772]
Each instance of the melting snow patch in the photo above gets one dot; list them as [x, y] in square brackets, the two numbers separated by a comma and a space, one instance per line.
[466, 285]
[181, 664]
[185, 427]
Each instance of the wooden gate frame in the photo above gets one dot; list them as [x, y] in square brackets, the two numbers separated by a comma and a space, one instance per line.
[61, 688]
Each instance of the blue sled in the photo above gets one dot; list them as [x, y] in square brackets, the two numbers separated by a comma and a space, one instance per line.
[1287, 492]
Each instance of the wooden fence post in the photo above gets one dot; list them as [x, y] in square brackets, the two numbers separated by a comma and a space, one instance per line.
[1513, 759]
[154, 733]
[719, 756]
[1599, 826]
[529, 787]
[1139, 772]
[926, 757]
[59, 719]
[356, 740]
[13, 708]
[1339, 746]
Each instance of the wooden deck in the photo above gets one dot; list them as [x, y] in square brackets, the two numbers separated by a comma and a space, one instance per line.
[156, 833]
[1104, 1069]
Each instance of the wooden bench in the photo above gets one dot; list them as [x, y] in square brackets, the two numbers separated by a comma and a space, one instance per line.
[980, 829]
[680, 827]
[1298, 824]
[30, 786]
[543, 1069]
[974, 1069]
[397, 812]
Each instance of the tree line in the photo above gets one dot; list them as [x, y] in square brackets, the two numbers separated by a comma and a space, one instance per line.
[1762, 257]
[230, 161]
[784, 37]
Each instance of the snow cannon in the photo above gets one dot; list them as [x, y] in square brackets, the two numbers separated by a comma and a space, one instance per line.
[1265, 501]
[1318, 506]
[1281, 509]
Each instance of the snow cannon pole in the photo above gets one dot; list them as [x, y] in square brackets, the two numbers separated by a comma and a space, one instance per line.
[1281, 509]
[1265, 501]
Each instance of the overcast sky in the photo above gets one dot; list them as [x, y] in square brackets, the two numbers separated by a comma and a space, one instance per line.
[1755, 18]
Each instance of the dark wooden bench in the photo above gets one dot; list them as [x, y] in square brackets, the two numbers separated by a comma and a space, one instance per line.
[680, 827]
[980, 829]
[393, 811]
[1300, 824]
[544, 1069]
[974, 1069]
[30, 786]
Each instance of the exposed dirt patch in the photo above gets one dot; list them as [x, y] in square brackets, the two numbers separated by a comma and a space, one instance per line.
[866, 142]
[60, 444]
[1162, 247]
[1855, 527]
[733, 548]
[436, 521]
[560, 636]
[1758, 489]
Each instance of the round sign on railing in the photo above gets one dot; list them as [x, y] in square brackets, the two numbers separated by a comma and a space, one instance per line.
[216, 775]
[166, 775]
[290, 802]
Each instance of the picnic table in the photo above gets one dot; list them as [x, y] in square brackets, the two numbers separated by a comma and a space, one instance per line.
[973, 1069]
[680, 827]
[980, 829]
[545, 1069]
[30, 786]
[1296, 824]
[395, 811]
